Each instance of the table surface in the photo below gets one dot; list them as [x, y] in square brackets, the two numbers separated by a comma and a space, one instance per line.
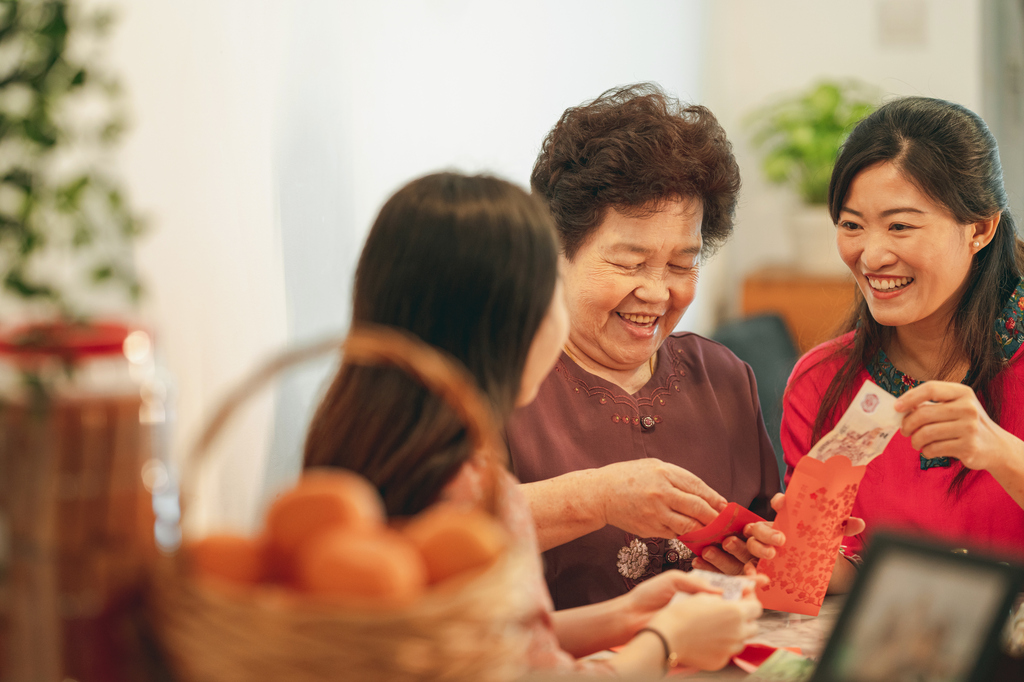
[780, 629]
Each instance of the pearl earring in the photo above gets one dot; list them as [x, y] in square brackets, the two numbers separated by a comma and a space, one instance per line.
[977, 244]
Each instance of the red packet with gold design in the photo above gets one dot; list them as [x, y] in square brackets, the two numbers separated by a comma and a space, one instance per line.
[819, 499]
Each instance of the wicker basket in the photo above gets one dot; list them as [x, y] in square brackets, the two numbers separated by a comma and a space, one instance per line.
[475, 630]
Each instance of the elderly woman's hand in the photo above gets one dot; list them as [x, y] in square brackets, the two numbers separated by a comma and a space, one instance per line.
[737, 556]
[652, 498]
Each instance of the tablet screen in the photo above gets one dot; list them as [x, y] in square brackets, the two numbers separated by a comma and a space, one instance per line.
[918, 614]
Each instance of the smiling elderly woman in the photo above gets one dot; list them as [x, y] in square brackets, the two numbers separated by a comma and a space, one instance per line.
[639, 434]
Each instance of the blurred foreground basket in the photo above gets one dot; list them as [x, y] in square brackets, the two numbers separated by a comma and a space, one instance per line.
[474, 630]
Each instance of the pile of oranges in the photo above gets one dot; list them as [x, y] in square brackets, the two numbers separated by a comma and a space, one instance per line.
[328, 536]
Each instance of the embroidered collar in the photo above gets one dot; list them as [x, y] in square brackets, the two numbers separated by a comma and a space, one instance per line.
[1009, 328]
[1010, 323]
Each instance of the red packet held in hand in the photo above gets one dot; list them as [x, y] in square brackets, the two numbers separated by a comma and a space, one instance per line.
[730, 521]
[819, 499]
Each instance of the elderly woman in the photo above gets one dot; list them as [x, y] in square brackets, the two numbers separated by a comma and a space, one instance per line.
[639, 434]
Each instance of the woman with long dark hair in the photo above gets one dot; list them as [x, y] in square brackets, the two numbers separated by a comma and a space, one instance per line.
[924, 225]
[469, 265]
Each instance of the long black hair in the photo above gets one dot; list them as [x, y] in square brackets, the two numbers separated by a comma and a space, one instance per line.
[948, 152]
[469, 265]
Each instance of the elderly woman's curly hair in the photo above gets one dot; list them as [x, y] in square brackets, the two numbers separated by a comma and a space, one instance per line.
[633, 148]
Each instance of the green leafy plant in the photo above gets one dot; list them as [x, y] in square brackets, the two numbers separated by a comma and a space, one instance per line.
[801, 134]
[65, 226]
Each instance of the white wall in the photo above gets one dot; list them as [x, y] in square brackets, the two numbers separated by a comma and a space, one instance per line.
[267, 134]
[375, 94]
[201, 79]
[757, 50]
[378, 93]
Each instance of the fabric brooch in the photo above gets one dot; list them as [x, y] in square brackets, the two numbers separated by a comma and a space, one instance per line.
[643, 558]
[634, 559]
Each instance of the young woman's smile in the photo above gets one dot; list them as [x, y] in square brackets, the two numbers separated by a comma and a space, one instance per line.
[909, 254]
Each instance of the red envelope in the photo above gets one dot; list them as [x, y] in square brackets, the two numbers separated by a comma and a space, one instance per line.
[818, 500]
[730, 521]
[753, 655]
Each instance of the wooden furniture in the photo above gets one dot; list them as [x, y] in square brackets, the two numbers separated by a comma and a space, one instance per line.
[814, 307]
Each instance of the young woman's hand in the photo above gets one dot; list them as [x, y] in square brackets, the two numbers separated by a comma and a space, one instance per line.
[944, 419]
[646, 599]
[705, 630]
[736, 556]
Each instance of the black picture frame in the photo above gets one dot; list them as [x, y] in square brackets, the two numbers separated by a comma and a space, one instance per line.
[920, 611]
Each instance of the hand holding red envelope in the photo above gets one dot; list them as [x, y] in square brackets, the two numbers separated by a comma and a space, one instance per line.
[819, 499]
[730, 521]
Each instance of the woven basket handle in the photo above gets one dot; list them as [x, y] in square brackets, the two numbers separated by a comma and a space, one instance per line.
[372, 345]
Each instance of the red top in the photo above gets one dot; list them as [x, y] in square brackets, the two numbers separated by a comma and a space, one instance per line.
[897, 492]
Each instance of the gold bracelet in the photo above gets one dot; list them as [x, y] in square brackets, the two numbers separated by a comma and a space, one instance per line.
[670, 656]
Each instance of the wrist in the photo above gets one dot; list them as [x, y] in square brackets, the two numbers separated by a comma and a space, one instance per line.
[594, 481]
[843, 575]
[617, 618]
[671, 656]
[630, 618]
[1012, 464]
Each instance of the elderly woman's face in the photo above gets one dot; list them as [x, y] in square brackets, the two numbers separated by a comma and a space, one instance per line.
[631, 282]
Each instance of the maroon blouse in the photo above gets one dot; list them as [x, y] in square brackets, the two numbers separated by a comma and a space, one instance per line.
[699, 411]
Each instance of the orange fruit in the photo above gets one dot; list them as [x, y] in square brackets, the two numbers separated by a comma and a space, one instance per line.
[229, 557]
[322, 499]
[379, 567]
[455, 540]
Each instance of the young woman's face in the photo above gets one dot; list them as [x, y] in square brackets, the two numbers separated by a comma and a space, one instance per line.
[545, 348]
[909, 254]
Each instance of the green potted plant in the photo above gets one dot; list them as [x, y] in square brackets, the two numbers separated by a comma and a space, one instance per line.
[799, 136]
[65, 226]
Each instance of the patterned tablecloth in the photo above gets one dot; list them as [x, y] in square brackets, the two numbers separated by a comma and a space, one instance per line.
[780, 629]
